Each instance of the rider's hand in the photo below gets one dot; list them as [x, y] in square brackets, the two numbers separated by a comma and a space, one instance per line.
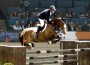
[50, 19]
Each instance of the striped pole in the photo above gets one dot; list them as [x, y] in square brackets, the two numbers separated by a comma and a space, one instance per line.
[51, 56]
[51, 62]
[58, 51]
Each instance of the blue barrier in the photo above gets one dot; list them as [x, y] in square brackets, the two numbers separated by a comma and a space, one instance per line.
[82, 3]
[78, 10]
[63, 3]
[11, 36]
[80, 20]
[47, 3]
[12, 20]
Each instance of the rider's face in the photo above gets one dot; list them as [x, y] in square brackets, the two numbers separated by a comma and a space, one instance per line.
[52, 11]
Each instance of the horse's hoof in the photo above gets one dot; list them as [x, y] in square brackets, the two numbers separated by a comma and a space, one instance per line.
[49, 42]
[28, 46]
[32, 44]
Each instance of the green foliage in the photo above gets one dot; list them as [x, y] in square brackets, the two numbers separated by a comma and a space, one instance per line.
[0, 63]
[5, 62]
[8, 64]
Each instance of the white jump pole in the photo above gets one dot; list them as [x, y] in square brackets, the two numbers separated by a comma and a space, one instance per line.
[51, 56]
[52, 62]
[58, 51]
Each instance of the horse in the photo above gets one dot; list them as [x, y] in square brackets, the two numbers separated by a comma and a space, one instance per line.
[59, 23]
[47, 34]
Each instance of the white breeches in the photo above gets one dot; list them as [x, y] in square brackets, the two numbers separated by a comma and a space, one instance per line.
[41, 22]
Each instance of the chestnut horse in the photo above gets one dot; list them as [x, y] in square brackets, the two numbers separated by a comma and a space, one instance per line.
[48, 33]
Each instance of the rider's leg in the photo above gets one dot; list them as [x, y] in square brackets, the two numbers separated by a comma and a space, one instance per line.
[41, 22]
[40, 27]
[38, 30]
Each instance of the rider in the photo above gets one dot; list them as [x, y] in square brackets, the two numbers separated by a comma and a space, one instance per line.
[45, 16]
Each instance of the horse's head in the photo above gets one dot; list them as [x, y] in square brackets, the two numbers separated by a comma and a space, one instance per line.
[57, 22]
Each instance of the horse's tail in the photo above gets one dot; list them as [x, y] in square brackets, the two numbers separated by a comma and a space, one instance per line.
[21, 39]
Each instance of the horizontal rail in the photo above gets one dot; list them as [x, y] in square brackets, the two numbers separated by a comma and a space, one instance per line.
[58, 51]
[51, 62]
[51, 56]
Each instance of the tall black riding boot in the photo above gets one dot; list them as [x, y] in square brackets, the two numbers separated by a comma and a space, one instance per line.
[38, 30]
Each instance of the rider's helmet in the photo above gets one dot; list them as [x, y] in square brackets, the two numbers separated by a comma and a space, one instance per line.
[53, 7]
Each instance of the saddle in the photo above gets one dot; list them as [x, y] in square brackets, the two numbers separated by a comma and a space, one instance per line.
[39, 30]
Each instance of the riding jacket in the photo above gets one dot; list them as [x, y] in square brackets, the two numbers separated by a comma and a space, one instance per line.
[45, 15]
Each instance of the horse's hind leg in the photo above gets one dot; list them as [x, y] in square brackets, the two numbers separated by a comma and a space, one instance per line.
[32, 43]
[29, 43]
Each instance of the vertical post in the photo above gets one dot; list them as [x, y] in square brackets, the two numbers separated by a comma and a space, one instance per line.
[2, 53]
[69, 44]
[84, 56]
[16, 55]
[77, 53]
[61, 48]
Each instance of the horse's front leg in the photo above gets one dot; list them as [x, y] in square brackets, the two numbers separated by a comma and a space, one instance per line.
[55, 40]
[50, 42]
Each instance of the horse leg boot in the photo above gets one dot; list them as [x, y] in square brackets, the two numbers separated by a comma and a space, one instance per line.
[38, 30]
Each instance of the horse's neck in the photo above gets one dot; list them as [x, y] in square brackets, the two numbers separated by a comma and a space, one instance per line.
[51, 26]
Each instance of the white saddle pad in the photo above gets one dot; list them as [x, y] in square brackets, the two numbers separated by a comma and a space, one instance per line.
[32, 28]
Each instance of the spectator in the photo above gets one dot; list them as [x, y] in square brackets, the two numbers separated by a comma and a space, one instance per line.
[71, 26]
[77, 26]
[22, 25]
[85, 27]
[36, 23]
[23, 14]
[70, 14]
[59, 14]
[81, 15]
[27, 13]
[68, 26]
[33, 14]
[15, 14]
[17, 27]
[33, 17]
[29, 23]
[87, 15]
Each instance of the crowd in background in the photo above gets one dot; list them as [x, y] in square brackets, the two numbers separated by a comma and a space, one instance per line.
[71, 26]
